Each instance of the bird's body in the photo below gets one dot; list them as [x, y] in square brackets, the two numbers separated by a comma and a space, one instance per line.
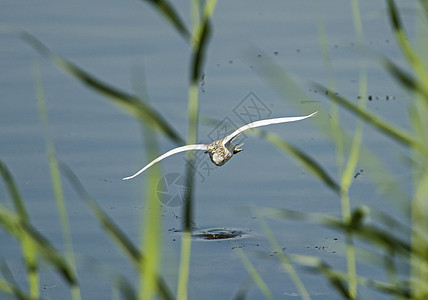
[220, 151]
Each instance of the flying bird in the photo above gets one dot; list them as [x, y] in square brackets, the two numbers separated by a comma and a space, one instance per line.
[222, 150]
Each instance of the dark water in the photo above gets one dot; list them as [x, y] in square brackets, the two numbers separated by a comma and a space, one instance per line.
[117, 41]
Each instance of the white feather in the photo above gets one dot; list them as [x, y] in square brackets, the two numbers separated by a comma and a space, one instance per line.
[260, 123]
[169, 153]
[226, 141]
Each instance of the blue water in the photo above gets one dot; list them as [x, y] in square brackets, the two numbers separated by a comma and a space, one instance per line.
[102, 144]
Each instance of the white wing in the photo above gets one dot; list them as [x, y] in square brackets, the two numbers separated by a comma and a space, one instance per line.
[263, 123]
[169, 153]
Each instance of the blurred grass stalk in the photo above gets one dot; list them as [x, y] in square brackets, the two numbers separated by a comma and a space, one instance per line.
[135, 255]
[28, 248]
[416, 143]
[201, 31]
[130, 103]
[151, 230]
[285, 262]
[152, 224]
[349, 170]
[33, 244]
[201, 14]
[55, 176]
[417, 61]
[346, 168]
[258, 280]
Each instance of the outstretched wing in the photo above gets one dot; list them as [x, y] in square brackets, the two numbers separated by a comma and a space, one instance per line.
[237, 132]
[169, 153]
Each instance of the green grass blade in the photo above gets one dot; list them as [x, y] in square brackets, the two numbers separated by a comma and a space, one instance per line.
[12, 290]
[130, 103]
[419, 243]
[55, 176]
[20, 230]
[10, 282]
[404, 78]
[151, 231]
[14, 192]
[190, 169]
[199, 54]
[125, 288]
[288, 89]
[29, 250]
[396, 133]
[51, 255]
[244, 289]
[355, 225]
[285, 86]
[288, 267]
[118, 281]
[309, 163]
[117, 235]
[377, 237]
[338, 279]
[170, 14]
[334, 109]
[350, 166]
[151, 239]
[30, 255]
[413, 58]
[201, 36]
[258, 280]
[424, 4]
[354, 154]
[184, 268]
[187, 210]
